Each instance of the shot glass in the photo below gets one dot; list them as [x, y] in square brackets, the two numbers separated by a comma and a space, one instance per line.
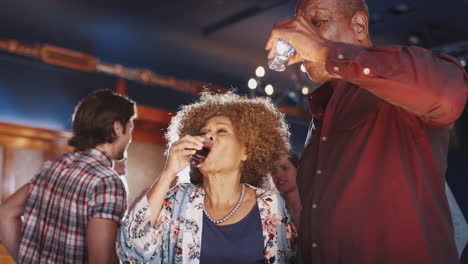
[283, 50]
[199, 157]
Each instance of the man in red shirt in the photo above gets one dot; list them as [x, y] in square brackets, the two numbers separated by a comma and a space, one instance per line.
[71, 210]
[371, 177]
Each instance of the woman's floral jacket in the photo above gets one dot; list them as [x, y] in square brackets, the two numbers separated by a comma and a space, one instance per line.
[176, 236]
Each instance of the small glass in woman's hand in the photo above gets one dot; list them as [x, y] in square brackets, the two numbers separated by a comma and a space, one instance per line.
[199, 157]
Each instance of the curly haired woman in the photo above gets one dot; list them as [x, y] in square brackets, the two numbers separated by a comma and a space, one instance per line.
[222, 216]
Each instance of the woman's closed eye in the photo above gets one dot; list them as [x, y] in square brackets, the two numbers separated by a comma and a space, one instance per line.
[221, 130]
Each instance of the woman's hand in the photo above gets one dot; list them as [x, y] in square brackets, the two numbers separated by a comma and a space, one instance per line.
[180, 153]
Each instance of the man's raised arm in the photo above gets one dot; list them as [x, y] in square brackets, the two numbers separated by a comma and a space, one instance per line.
[434, 87]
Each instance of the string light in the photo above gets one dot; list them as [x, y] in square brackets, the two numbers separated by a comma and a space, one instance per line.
[252, 84]
[463, 62]
[269, 89]
[305, 90]
[260, 71]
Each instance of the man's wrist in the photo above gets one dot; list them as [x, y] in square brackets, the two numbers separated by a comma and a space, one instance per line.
[324, 51]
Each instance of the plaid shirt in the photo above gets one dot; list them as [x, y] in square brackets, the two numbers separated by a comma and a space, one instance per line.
[62, 198]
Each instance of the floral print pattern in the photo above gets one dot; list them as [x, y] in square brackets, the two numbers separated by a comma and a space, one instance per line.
[176, 236]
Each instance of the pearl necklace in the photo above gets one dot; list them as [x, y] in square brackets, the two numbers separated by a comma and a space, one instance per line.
[231, 213]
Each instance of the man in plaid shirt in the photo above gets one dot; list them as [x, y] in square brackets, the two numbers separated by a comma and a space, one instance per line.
[71, 210]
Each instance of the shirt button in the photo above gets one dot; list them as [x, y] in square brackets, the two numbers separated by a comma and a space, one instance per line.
[314, 245]
[314, 206]
[335, 68]
[340, 56]
[324, 138]
[366, 71]
[319, 172]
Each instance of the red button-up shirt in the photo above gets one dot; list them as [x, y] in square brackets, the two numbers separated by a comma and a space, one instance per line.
[371, 177]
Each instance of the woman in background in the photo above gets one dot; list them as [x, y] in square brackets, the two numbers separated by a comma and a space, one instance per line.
[284, 178]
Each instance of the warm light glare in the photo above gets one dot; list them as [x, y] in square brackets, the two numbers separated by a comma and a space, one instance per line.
[260, 71]
[252, 83]
[305, 90]
[303, 68]
[269, 89]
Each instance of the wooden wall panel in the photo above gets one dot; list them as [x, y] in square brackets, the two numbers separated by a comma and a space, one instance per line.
[24, 150]
[26, 164]
[145, 163]
[7, 169]
[1, 171]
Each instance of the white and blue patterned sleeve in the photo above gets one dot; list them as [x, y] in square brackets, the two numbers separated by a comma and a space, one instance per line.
[287, 234]
[138, 241]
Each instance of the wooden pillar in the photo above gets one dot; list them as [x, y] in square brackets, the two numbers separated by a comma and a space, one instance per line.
[121, 87]
[7, 172]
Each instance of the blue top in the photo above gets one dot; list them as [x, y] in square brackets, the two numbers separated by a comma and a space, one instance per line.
[241, 242]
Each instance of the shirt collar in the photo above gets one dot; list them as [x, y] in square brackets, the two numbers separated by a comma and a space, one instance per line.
[101, 155]
[319, 98]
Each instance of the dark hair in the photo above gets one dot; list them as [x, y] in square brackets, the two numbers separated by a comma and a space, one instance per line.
[257, 122]
[293, 158]
[94, 117]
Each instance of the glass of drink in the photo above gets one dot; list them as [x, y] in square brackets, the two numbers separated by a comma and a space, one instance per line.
[283, 50]
[199, 157]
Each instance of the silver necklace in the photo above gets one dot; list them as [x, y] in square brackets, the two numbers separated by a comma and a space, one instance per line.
[231, 213]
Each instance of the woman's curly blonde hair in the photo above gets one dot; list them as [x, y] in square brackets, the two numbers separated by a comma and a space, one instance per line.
[257, 122]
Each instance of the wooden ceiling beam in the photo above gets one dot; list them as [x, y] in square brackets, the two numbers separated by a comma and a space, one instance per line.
[88, 63]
